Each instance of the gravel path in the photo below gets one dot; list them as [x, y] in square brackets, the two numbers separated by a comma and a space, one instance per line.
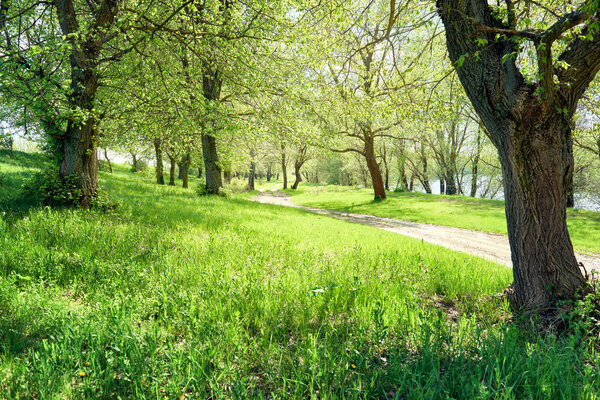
[490, 246]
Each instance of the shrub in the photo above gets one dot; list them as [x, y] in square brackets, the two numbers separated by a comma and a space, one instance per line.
[47, 188]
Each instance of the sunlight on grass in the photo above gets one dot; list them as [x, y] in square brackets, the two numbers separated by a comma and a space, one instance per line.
[208, 297]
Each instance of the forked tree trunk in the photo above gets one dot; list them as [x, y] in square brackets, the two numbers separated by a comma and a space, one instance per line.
[212, 169]
[108, 161]
[533, 140]
[297, 166]
[160, 178]
[376, 178]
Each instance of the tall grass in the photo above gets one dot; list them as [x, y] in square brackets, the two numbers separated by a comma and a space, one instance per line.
[180, 296]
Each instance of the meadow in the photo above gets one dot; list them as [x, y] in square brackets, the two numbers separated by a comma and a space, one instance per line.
[173, 295]
[458, 211]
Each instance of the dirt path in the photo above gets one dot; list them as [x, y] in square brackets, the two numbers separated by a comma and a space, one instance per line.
[490, 246]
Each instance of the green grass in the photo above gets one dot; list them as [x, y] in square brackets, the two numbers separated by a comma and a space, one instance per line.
[458, 211]
[179, 296]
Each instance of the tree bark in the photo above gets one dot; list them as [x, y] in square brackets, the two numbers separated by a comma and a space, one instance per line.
[184, 169]
[269, 173]
[284, 166]
[533, 140]
[212, 169]
[251, 175]
[227, 176]
[475, 166]
[376, 178]
[108, 161]
[172, 171]
[160, 178]
[79, 142]
[135, 162]
[442, 186]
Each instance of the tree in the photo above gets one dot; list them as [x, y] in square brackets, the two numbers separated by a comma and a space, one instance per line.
[528, 118]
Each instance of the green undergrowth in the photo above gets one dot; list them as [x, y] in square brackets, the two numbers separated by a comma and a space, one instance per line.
[178, 296]
[457, 211]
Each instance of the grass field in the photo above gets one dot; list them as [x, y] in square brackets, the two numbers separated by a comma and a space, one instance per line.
[458, 211]
[176, 296]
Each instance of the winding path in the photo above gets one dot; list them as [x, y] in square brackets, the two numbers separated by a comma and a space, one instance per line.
[490, 246]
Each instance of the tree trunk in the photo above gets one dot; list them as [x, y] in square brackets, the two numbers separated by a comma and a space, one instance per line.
[536, 166]
[135, 162]
[534, 146]
[199, 172]
[172, 171]
[184, 169]
[160, 178]
[179, 170]
[212, 170]
[227, 176]
[475, 166]
[442, 186]
[450, 180]
[284, 166]
[108, 161]
[269, 173]
[251, 175]
[425, 179]
[376, 178]
[297, 166]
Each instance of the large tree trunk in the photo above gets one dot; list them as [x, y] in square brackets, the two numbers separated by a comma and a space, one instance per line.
[536, 166]
[450, 180]
[376, 178]
[533, 142]
[79, 142]
[212, 169]
[160, 178]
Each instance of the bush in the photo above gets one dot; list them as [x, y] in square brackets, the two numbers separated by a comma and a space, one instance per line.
[2, 178]
[47, 188]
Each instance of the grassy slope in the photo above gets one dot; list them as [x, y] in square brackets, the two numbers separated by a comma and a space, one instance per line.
[176, 296]
[459, 211]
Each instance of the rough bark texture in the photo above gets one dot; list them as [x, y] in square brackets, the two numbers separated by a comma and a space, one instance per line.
[211, 164]
[80, 139]
[251, 175]
[533, 142]
[160, 178]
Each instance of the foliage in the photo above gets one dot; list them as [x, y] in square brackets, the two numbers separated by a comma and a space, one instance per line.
[47, 188]
[210, 297]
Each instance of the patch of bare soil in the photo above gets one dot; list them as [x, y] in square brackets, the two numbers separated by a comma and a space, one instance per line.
[491, 246]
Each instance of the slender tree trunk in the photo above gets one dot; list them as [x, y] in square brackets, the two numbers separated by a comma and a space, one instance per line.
[284, 166]
[108, 161]
[475, 166]
[442, 186]
[251, 175]
[425, 179]
[227, 176]
[172, 171]
[269, 173]
[179, 170]
[212, 169]
[376, 178]
[184, 169]
[160, 178]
